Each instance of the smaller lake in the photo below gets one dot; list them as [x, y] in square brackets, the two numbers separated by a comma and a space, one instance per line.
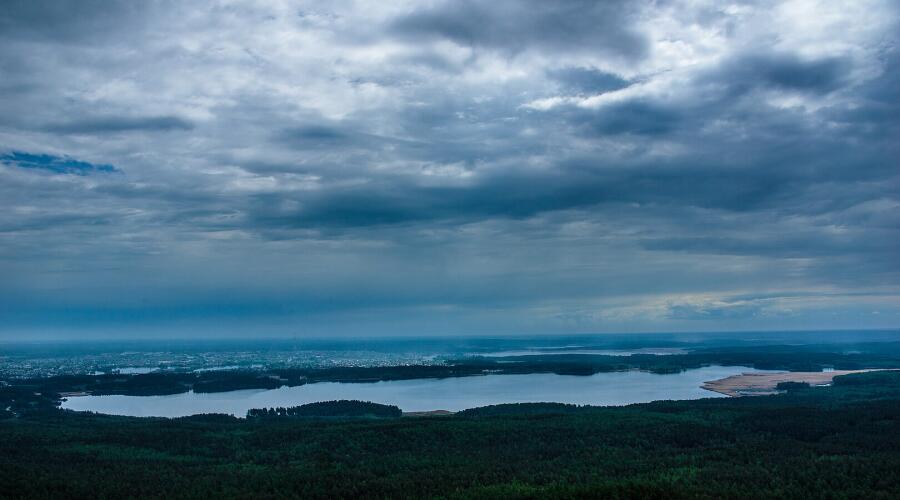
[602, 389]
[656, 351]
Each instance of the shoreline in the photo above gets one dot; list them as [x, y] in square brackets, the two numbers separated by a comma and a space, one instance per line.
[763, 384]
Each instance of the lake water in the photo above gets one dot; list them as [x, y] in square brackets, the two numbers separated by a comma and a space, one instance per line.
[618, 388]
[656, 351]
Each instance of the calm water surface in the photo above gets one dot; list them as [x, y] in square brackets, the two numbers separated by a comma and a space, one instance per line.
[453, 394]
[657, 351]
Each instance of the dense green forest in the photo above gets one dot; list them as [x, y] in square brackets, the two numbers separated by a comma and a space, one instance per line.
[322, 409]
[836, 442]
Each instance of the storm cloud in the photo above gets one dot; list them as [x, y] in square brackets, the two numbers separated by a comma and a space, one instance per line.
[416, 168]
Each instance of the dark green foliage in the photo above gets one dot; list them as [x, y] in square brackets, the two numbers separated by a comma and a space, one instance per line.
[522, 409]
[835, 442]
[235, 381]
[342, 408]
[877, 378]
[148, 384]
[211, 418]
[792, 386]
[23, 401]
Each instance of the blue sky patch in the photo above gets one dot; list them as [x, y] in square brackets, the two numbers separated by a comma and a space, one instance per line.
[56, 164]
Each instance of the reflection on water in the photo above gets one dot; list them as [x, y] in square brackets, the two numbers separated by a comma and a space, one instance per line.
[454, 394]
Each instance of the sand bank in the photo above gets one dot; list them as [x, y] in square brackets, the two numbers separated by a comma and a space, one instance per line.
[760, 384]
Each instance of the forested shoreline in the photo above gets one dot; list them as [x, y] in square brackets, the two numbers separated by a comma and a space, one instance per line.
[788, 358]
[836, 442]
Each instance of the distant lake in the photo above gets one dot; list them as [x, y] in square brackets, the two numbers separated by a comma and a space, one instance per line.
[617, 388]
[656, 351]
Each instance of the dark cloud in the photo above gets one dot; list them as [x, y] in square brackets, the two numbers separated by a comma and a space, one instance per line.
[69, 21]
[587, 80]
[514, 26]
[792, 73]
[875, 114]
[315, 133]
[630, 117]
[325, 137]
[784, 71]
[115, 124]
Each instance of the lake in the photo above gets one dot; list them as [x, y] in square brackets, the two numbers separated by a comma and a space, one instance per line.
[656, 351]
[602, 389]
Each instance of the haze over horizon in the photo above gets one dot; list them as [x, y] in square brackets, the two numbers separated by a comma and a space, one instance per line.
[257, 168]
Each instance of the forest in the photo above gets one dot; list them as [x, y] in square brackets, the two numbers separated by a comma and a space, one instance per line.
[328, 409]
[841, 441]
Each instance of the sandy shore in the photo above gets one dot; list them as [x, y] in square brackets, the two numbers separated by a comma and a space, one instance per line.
[759, 384]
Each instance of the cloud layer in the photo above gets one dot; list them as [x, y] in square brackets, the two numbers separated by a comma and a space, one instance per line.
[268, 168]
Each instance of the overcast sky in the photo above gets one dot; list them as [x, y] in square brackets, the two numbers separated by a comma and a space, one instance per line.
[273, 168]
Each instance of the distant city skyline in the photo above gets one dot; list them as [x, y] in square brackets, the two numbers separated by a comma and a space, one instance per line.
[264, 169]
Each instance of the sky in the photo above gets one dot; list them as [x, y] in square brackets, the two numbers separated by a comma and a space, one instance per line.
[267, 168]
